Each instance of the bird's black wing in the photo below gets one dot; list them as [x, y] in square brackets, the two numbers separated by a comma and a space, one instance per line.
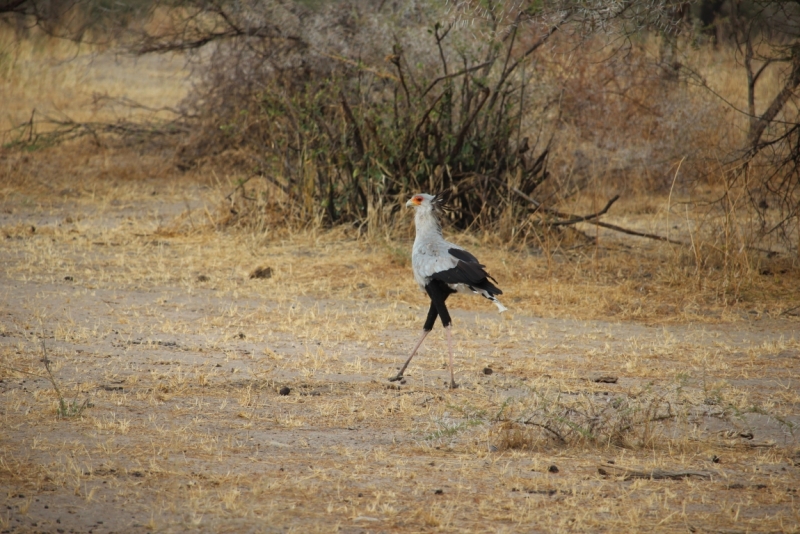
[467, 271]
[463, 255]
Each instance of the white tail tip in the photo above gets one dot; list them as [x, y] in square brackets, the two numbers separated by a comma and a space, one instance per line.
[500, 307]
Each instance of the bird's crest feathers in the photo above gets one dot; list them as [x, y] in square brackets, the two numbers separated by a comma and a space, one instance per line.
[440, 202]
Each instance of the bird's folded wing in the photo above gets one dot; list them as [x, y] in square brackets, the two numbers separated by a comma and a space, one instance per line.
[462, 255]
[462, 268]
[462, 273]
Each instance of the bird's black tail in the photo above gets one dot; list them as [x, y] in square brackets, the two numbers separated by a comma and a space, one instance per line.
[487, 286]
[488, 290]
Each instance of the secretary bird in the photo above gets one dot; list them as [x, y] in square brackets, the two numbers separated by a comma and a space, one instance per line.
[441, 269]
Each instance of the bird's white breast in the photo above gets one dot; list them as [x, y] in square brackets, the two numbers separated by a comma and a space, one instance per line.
[430, 256]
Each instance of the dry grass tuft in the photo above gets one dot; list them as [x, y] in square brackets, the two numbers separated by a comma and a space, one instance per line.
[647, 417]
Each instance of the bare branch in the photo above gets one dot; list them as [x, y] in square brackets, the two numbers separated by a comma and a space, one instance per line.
[584, 218]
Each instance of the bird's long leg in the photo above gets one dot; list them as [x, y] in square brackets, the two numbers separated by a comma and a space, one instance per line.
[399, 375]
[432, 313]
[439, 292]
[453, 384]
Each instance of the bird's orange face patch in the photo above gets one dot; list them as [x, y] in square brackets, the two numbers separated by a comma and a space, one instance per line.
[417, 200]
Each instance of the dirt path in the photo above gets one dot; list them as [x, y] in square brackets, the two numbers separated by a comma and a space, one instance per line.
[182, 359]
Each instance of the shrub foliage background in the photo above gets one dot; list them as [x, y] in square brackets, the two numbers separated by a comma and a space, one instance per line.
[344, 107]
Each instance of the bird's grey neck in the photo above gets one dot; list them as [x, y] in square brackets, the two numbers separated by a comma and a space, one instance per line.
[427, 223]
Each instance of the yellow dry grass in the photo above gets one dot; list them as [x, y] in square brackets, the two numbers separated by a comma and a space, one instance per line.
[50, 79]
[182, 357]
[147, 310]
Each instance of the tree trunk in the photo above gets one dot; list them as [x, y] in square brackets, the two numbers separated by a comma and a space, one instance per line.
[792, 81]
[751, 84]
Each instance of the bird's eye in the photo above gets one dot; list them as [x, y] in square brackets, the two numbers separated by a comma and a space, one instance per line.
[418, 199]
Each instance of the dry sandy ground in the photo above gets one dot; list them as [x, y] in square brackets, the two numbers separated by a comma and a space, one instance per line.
[182, 357]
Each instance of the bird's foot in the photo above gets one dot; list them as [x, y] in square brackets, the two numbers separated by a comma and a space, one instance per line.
[396, 378]
[453, 384]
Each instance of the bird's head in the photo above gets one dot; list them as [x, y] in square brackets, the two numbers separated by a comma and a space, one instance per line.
[435, 203]
[420, 200]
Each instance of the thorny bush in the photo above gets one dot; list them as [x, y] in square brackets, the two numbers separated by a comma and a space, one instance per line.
[345, 140]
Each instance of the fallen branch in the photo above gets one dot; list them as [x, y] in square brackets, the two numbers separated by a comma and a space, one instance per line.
[573, 219]
[790, 310]
[737, 444]
[639, 234]
[68, 129]
[655, 474]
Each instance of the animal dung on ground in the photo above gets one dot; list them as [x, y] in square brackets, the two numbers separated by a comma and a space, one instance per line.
[284, 391]
[552, 469]
[487, 370]
[261, 272]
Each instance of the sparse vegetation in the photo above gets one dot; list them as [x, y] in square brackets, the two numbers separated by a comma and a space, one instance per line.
[184, 375]
[233, 333]
[66, 409]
